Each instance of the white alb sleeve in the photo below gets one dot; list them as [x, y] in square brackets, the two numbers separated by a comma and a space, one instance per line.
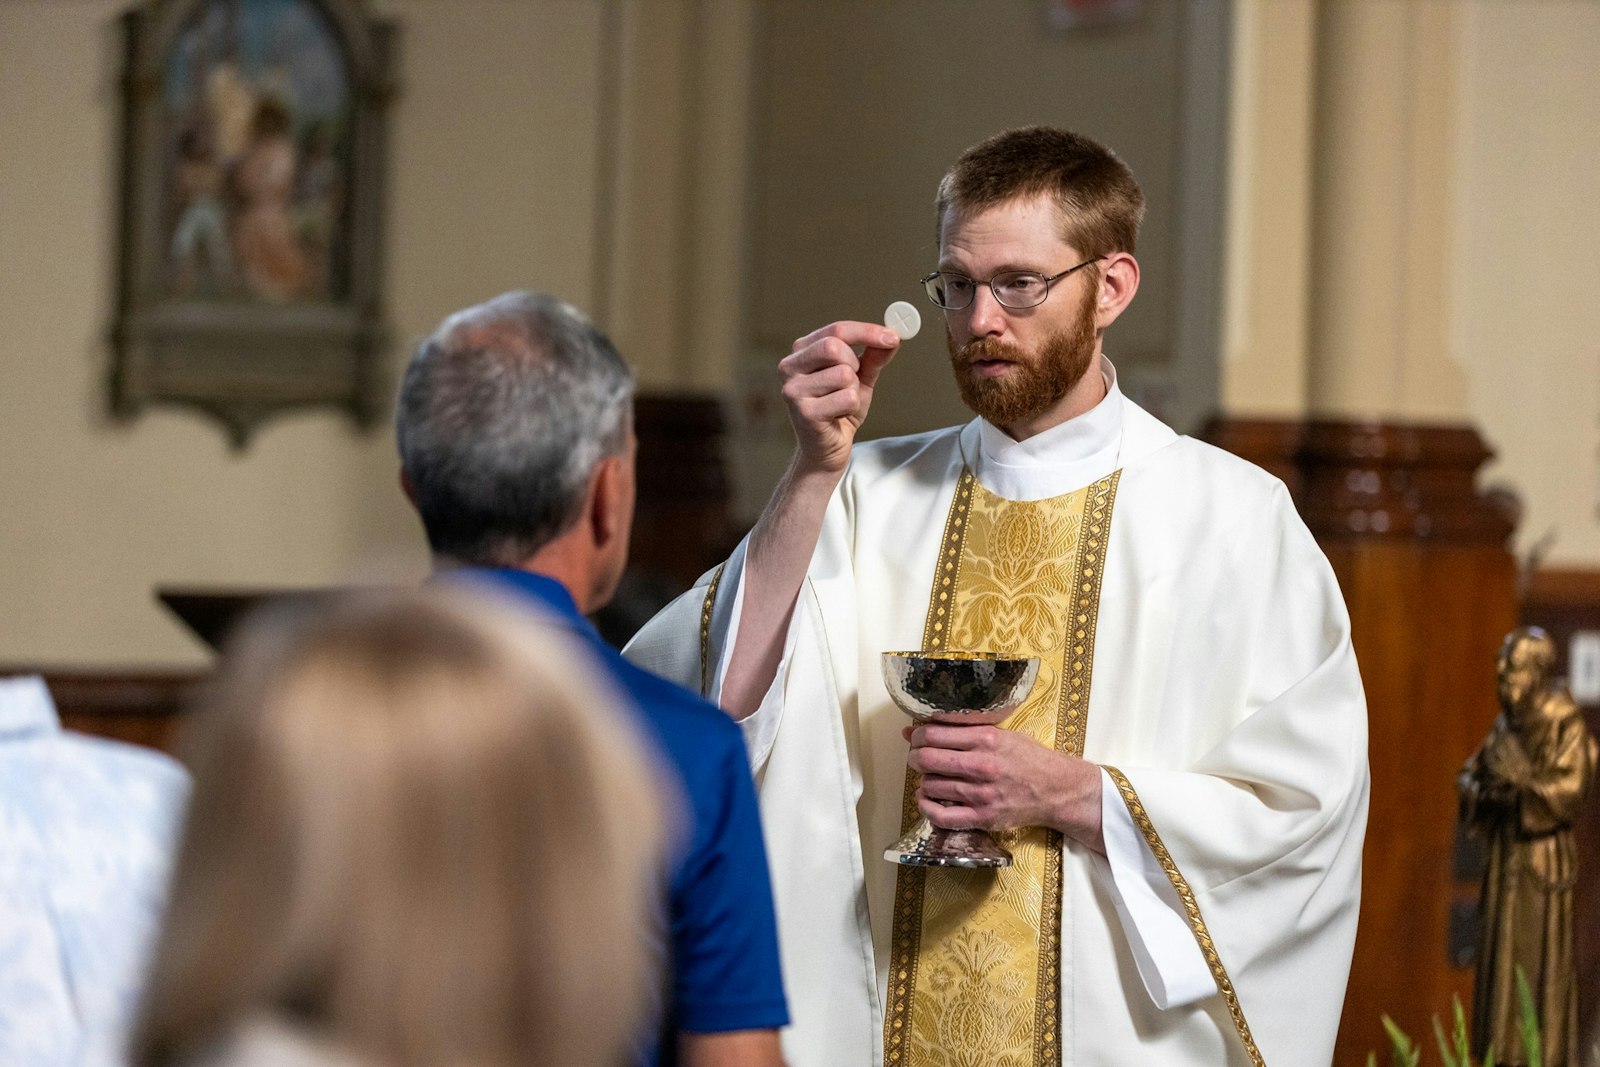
[761, 726]
[1171, 965]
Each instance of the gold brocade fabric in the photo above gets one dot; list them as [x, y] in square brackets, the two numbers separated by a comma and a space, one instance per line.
[975, 964]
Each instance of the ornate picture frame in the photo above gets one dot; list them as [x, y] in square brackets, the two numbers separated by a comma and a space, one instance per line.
[250, 268]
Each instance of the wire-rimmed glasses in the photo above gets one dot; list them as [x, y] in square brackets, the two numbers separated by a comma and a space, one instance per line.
[1015, 289]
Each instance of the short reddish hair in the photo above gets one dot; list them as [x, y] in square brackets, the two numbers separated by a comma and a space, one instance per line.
[1100, 203]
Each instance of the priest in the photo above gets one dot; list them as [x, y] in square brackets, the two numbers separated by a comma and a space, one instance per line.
[1184, 793]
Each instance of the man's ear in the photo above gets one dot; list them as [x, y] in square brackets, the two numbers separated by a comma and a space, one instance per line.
[1118, 282]
[406, 487]
[608, 514]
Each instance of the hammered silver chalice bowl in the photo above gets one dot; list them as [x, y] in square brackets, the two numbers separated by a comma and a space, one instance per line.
[956, 689]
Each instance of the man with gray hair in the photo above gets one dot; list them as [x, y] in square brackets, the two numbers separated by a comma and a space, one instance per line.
[516, 440]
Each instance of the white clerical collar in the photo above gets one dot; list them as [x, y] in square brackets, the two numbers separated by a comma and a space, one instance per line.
[1063, 458]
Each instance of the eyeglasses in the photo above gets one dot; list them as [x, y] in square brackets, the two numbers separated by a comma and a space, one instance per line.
[1015, 289]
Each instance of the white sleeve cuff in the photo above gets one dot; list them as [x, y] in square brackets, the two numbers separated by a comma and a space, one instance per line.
[1170, 962]
[760, 727]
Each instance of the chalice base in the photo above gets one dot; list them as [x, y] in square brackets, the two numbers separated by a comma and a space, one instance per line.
[925, 845]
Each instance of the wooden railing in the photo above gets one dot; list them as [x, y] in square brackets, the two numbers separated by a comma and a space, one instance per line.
[145, 708]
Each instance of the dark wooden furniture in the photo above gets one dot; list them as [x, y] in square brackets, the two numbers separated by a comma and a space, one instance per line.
[143, 708]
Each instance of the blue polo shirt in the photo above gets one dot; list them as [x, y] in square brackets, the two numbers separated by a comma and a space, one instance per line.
[723, 937]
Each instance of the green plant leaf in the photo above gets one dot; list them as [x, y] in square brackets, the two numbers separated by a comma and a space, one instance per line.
[1405, 1051]
[1463, 1043]
[1528, 1022]
[1445, 1054]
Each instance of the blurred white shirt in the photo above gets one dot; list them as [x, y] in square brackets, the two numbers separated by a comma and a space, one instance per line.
[87, 832]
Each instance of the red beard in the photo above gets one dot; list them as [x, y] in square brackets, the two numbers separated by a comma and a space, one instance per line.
[1037, 381]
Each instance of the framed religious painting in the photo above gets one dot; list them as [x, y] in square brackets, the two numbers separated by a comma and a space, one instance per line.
[251, 267]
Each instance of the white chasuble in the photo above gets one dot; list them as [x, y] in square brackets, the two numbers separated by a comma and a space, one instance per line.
[1225, 707]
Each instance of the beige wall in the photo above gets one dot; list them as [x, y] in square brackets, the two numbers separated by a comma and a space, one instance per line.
[1266, 302]
[860, 108]
[1527, 272]
[1413, 235]
[708, 212]
[1342, 184]
[578, 146]
[494, 151]
[672, 281]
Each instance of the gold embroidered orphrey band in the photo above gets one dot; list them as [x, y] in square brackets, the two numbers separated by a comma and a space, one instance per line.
[707, 607]
[975, 965]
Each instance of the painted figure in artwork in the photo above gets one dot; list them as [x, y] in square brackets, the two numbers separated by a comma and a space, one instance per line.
[201, 257]
[264, 240]
[258, 128]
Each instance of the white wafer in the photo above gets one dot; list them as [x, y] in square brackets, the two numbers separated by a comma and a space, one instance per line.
[903, 319]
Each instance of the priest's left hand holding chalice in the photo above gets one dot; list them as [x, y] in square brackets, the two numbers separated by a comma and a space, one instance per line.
[998, 779]
[965, 690]
[989, 777]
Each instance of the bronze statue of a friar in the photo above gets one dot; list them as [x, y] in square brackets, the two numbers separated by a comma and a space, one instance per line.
[1522, 791]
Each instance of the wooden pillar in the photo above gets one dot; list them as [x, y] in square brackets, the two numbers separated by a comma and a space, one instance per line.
[1388, 464]
[1340, 377]
[1431, 588]
[1423, 562]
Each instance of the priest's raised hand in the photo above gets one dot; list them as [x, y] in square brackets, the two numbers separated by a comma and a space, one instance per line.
[828, 389]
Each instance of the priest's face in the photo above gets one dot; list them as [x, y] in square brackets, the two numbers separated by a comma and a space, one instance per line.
[1019, 367]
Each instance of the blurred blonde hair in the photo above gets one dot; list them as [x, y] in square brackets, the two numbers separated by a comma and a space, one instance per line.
[416, 831]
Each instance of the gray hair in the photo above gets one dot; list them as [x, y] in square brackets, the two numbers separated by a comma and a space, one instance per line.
[504, 414]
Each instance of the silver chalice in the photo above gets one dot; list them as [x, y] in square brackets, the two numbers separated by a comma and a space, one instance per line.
[958, 689]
